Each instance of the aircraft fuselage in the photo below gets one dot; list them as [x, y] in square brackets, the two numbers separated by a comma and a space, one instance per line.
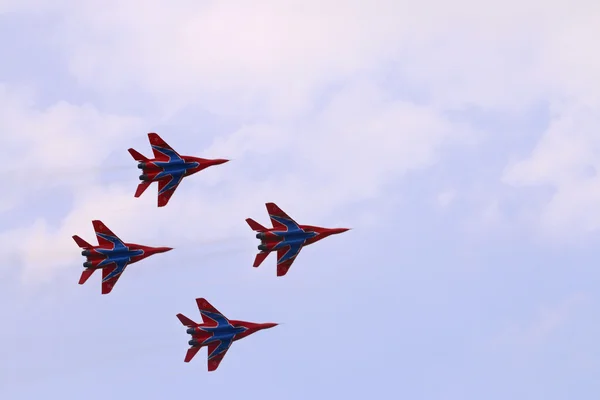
[276, 240]
[105, 257]
[204, 335]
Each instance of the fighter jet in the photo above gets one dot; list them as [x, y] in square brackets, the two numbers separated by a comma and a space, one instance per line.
[286, 237]
[216, 332]
[168, 168]
[112, 256]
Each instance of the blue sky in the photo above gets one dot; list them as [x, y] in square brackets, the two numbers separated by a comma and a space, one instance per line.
[461, 147]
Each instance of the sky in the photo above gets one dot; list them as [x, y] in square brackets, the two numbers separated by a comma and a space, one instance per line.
[459, 140]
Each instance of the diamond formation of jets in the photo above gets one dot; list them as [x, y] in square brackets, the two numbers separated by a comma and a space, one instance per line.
[168, 168]
[286, 237]
[112, 256]
[216, 332]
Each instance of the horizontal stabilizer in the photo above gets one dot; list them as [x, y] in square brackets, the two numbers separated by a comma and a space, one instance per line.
[137, 156]
[142, 188]
[82, 243]
[192, 351]
[260, 257]
[255, 226]
[186, 321]
[85, 275]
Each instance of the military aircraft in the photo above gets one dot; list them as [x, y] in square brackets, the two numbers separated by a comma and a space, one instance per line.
[168, 168]
[286, 237]
[111, 255]
[216, 332]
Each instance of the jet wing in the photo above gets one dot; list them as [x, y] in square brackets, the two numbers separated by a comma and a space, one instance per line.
[280, 219]
[216, 352]
[167, 187]
[106, 238]
[216, 349]
[286, 257]
[162, 151]
[110, 276]
[210, 315]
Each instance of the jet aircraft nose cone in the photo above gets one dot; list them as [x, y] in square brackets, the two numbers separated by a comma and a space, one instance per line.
[338, 230]
[268, 325]
[218, 161]
[156, 250]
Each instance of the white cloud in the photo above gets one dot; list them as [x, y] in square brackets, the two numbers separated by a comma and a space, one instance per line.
[311, 147]
[239, 57]
[567, 159]
[231, 56]
[567, 156]
[360, 141]
[312, 170]
[42, 148]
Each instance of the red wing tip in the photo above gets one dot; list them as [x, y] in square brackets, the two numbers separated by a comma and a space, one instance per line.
[99, 225]
[154, 138]
[202, 302]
